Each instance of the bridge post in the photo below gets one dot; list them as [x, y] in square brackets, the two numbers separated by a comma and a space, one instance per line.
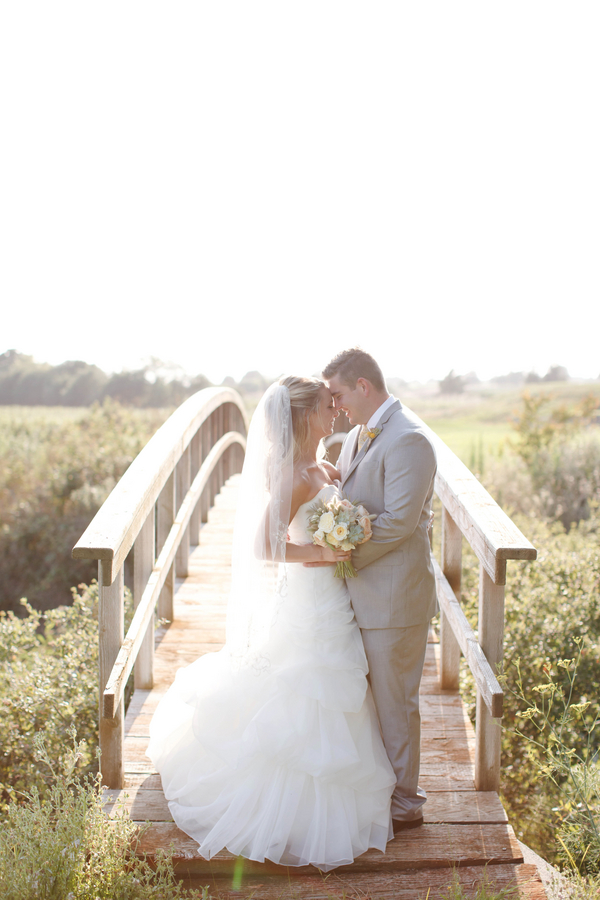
[452, 569]
[183, 481]
[110, 635]
[214, 436]
[491, 640]
[166, 517]
[196, 459]
[205, 448]
[143, 563]
[227, 426]
[220, 432]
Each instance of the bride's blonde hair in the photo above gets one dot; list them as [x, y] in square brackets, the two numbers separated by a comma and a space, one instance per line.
[304, 400]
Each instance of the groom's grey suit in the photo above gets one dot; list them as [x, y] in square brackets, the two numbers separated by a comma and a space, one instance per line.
[394, 595]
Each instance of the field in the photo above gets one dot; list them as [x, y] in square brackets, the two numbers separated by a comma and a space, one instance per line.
[480, 421]
[59, 464]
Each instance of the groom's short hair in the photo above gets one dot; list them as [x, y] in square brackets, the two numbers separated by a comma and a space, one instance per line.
[350, 365]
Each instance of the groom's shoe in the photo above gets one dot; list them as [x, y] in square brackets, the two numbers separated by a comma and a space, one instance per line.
[402, 825]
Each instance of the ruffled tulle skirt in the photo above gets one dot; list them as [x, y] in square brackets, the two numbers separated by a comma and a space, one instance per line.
[281, 759]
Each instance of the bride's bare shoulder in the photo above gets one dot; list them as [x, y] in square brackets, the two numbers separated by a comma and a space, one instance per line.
[331, 470]
[302, 487]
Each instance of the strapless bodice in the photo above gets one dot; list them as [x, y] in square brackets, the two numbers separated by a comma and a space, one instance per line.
[299, 524]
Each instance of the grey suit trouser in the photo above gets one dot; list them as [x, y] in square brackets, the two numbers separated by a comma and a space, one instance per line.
[396, 657]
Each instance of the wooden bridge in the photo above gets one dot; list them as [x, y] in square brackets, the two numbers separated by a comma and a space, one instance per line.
[169, 523]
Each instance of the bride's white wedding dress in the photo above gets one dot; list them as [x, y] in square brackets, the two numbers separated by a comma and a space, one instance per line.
[282, 760]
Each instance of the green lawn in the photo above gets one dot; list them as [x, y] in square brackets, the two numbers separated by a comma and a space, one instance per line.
[480, 421]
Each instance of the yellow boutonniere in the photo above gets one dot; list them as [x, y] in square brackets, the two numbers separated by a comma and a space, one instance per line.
[373, 432]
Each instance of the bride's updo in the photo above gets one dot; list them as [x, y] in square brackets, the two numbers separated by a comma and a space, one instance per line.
[304, 400]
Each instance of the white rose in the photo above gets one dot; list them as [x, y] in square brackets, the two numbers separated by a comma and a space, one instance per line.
[347, 545]
[326, 522]
[319, 538]
[340, 531]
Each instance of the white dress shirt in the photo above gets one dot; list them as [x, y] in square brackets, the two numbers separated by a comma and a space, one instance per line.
[379, 412]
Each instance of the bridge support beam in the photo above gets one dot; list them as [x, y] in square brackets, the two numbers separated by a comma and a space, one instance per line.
[452, 569]
[184, 479]
[110, 631]
[143, 562]
[166, 510]
[491, 640]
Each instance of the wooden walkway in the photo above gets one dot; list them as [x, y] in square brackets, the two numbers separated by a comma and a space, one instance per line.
[465, 831]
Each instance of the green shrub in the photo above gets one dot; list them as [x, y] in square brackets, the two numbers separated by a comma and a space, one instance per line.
[62, 846]
[59, 472]
[561, 730]
[551, 603]
[561, 454]
[49, 683]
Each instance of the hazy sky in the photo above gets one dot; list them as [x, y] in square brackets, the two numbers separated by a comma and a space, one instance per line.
[249, 185]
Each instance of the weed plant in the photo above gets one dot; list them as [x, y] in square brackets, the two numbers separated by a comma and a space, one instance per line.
[56, 473]
[63, 846]
[562, 738]
[49, 683]
[550, 603]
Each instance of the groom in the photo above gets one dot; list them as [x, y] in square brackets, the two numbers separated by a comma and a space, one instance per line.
[389, 465]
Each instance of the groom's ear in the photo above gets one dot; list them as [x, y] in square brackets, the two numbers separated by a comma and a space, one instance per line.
[364, 386]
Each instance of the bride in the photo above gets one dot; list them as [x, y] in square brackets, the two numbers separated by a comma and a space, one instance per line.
[271, 747]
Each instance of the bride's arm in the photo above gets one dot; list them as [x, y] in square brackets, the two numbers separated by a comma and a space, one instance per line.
[295, 552]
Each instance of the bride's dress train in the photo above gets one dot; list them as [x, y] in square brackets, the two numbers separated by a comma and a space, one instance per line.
[283, 759]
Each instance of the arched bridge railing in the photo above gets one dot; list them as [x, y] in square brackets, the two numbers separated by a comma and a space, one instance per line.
[469, 511]
[156, 511]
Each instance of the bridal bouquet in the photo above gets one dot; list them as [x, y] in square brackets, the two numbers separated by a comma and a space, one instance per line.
[341, 525]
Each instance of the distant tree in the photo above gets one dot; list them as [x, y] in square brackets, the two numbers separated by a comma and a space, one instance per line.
[394, 386]
[87, 385]
[10, 358]
[77, 383]
[129, 388]
[556, 373]
[513, 378]
[532, 378]
[199, 382]
[74, 383]
[253, 382]
[452, 383]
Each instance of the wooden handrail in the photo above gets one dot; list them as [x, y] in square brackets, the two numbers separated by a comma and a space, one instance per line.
[470, 511]
[493, 536]
[113, 693]
[112, 532]
[163, 495]
[166, 493]
[485, 679]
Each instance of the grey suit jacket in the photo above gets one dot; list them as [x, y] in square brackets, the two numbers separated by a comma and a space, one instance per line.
[393, 476]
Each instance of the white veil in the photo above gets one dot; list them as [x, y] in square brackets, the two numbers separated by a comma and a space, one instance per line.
[261, 525]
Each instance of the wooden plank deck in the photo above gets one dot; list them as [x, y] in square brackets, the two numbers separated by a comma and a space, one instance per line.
[465, 832]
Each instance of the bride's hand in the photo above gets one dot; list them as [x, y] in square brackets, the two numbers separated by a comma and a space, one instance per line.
[330, 557]
[335, 556]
